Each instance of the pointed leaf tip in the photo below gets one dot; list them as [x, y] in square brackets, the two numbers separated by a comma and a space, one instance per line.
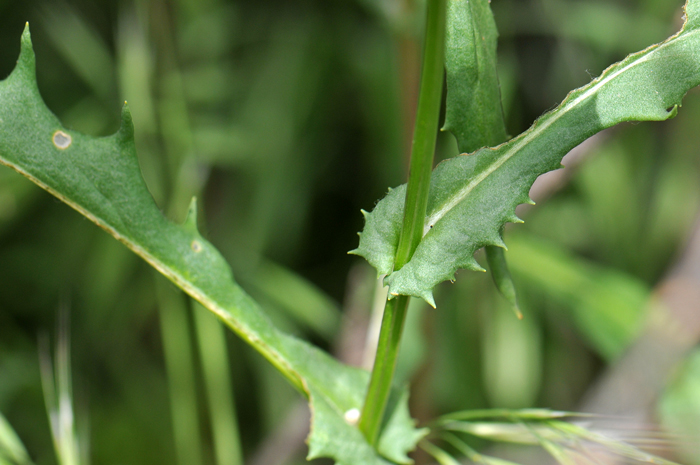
[26, 35]
[127, 125]
[474, 266]
[191, 219]
[428, 297]
[498, 242]
[26, 60]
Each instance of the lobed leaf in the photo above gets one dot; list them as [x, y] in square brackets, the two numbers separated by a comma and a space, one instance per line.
[100, 178]
[473, 111]
[473, 196]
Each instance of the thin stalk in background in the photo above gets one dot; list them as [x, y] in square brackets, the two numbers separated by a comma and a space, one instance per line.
[179, 149]
[58, 396]
[179, 364]
[421, 165]
[217, 381]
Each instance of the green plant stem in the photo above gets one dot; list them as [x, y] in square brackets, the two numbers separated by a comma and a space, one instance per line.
[384, 366]
[215, 366]
[422, 153]
[179, 364]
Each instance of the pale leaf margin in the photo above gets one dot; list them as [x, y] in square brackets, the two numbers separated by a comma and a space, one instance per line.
[473, 196]
[101, 179]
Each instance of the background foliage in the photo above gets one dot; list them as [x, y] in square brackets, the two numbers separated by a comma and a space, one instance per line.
[293, 116]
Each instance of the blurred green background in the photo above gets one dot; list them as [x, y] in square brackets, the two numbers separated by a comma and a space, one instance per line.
[286, 118]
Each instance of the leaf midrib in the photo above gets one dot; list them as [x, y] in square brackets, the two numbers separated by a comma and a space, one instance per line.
[194, 291]
[536, 130]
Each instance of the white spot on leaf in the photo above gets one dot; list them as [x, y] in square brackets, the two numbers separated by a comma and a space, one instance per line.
[61, 140]
[196, 246]
[352, 416]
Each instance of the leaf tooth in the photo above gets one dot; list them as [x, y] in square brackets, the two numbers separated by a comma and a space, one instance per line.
[498, 242]
[427, 295]
[126, 129]
[473, 265]
[365, 214]
[494, 238]
[525, 199]
[26, 37]
[358, 251]
[514, 219]
[26, 63]
[191, 219]
[522, 197]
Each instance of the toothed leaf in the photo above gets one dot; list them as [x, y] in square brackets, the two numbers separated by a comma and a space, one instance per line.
[473, 196]
[473, 112]
[100, 178]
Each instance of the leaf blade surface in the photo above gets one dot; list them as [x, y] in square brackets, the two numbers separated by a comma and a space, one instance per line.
[100, 177]
[473, 196]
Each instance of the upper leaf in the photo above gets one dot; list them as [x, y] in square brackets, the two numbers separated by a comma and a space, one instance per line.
[473, 196]
[473, 111]
[100, 178]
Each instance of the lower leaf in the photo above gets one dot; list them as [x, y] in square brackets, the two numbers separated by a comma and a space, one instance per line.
[100, 178]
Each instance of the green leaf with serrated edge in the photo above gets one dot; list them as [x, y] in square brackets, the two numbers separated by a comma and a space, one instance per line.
[395, 440]
[100, 178]
[473, 196]
[473, 111]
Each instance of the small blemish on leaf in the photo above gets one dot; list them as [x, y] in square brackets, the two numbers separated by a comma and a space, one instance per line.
[61, 140]
[196, 246]
[352, 416]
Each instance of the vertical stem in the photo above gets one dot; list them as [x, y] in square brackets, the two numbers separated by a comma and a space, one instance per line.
[179, 364]
[215, 365]
[179, 147]
[422, 152]
[425, 133]
[384, 366]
